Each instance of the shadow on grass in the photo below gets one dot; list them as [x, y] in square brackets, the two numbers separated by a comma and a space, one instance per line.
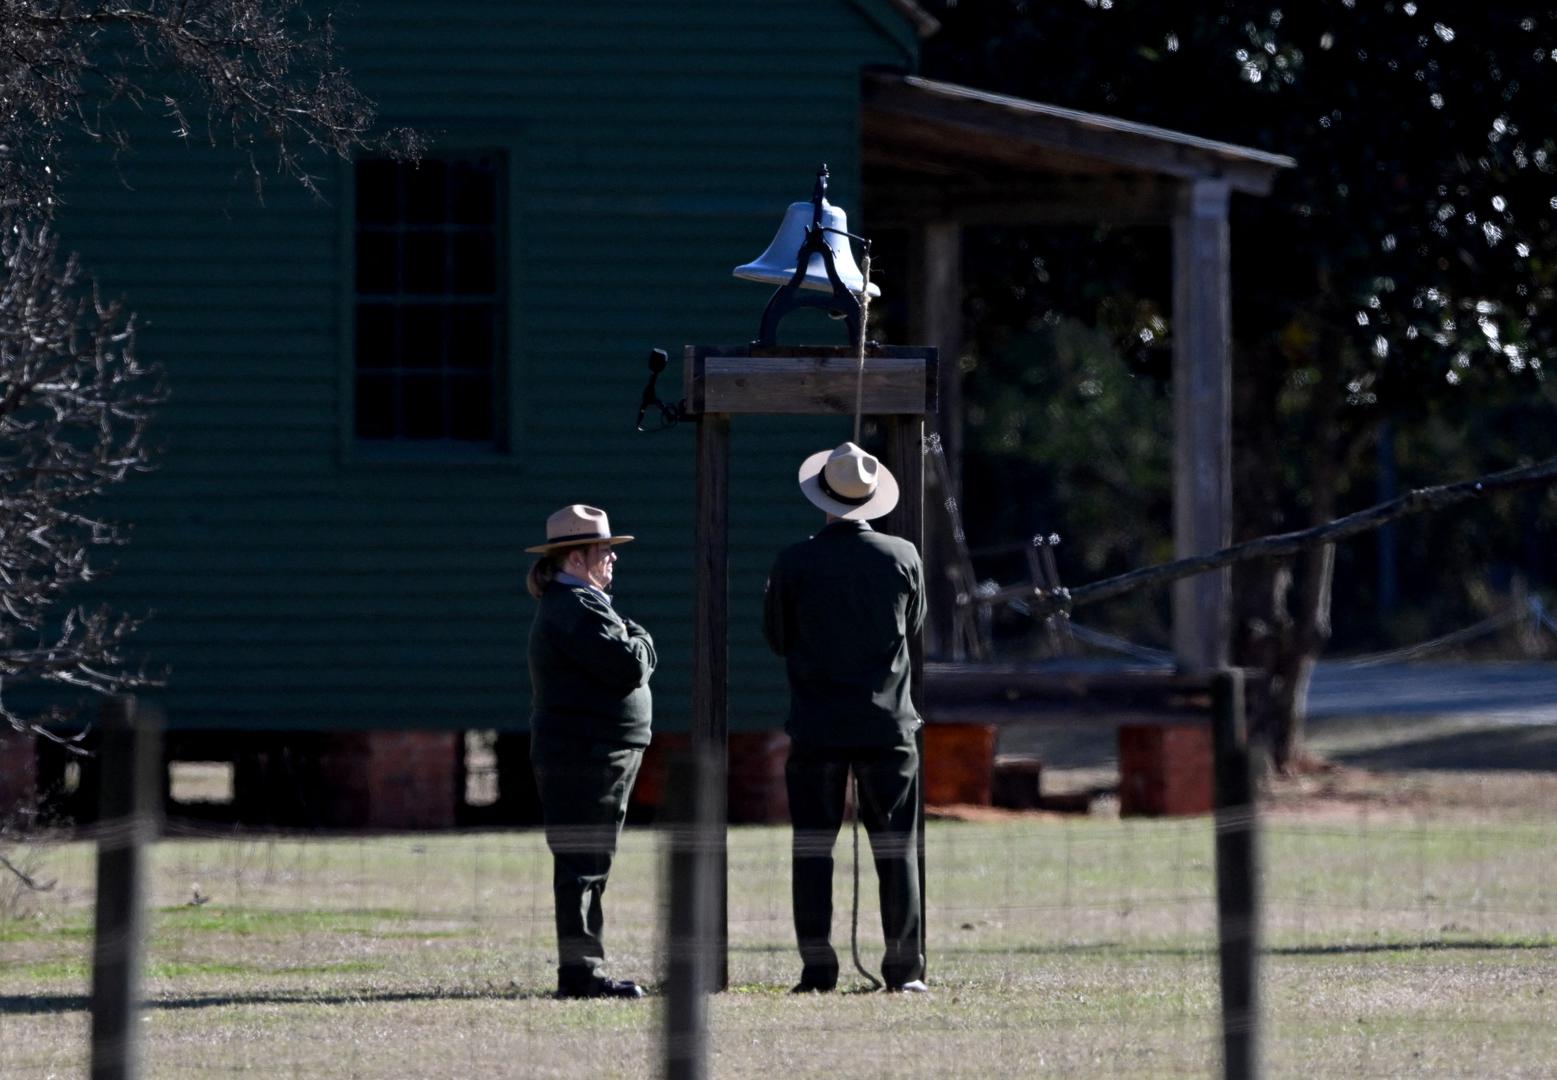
[1407, 946]
[1525, 749]
[1207, 950]
[33, 1004]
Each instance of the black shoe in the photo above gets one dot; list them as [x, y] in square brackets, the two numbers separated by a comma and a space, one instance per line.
[803, 987]
[600, 987]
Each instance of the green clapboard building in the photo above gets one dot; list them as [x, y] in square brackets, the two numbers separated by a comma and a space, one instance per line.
[378, 395]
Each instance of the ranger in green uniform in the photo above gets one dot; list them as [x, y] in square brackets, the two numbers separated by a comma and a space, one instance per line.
[589, 670]
[841, 609]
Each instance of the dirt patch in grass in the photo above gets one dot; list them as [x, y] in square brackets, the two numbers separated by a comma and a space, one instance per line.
[1322, 790]
[1334, 791]
[988, 814]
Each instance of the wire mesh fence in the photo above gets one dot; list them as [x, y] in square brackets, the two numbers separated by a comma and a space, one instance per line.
[1405, 932]
[1399, 940]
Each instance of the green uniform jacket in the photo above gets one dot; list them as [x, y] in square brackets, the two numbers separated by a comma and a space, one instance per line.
[589, 669]
[841, 608]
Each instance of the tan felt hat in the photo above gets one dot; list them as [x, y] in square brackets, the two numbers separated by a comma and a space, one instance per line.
[575, 525]
[848, 483]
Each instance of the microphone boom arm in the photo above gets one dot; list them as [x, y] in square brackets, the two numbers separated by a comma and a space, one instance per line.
[670, 414]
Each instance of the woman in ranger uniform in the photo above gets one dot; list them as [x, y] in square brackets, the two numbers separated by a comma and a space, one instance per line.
[589, 672]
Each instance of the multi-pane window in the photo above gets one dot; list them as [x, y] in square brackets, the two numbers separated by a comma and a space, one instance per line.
[429, 299]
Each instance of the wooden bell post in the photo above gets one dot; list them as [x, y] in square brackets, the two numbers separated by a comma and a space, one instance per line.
[898, 387]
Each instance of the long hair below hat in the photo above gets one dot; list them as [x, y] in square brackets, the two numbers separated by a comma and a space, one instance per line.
[575, 525]
[848, 483]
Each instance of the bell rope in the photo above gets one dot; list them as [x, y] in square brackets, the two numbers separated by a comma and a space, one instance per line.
[859, 378]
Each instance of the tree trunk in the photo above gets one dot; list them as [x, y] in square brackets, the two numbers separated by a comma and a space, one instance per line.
[1262, 626]
[1282, 609]
[1292, 668]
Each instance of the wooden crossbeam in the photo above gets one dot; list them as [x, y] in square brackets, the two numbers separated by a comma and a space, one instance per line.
[811, 380]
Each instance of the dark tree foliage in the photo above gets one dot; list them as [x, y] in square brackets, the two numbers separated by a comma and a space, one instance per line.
[1065, 384]
[1403, 272]
[75, 401]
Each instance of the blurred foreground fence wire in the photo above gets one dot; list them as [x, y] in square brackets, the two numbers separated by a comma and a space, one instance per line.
[1405, 939]
[131, 808]
[1237, 878]
[690, 937]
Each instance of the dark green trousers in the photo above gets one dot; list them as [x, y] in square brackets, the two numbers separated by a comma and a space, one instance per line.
[584, 787]
[817, 778]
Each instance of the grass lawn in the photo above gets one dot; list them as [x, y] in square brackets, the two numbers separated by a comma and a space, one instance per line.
[1395, 945]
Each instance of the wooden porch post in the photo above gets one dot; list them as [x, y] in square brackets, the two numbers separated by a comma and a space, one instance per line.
[1202, 417]
[936, 319]
[711, 660]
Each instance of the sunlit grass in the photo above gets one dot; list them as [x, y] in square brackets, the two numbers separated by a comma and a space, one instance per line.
[1076, 947]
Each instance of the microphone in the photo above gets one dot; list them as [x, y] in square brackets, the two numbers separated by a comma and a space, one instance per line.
[658, 358]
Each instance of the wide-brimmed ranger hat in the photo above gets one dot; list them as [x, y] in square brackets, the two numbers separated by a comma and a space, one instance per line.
[848, 483]
[576, 525]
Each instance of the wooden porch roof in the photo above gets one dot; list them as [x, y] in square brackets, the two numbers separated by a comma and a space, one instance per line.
[940, 151]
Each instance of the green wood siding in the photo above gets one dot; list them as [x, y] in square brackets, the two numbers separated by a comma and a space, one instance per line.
[297, 579]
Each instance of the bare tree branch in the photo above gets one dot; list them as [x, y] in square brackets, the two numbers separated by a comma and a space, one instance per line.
[259, 76]
[264, 71]
[27, 880]
[75, 404]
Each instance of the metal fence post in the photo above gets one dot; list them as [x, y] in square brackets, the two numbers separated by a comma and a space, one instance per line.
[130, 807]
[1237, 878]
[693, 834]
